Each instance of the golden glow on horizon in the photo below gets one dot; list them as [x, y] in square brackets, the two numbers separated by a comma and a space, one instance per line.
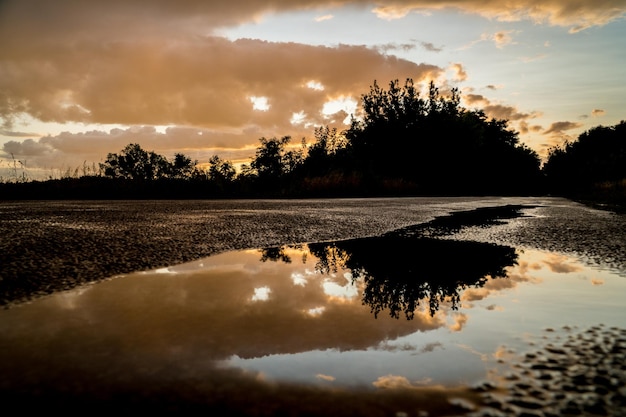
[193, 65]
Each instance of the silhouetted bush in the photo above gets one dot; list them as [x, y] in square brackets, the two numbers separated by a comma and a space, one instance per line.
[592, 167]
[404, 145]
[437, 145]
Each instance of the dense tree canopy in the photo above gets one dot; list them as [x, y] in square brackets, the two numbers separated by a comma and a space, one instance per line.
[599, 155]
[591, 168]
[135, 163]
[403, 143]
[437, 144]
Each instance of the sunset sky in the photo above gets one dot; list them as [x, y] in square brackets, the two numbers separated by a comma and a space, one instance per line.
[80, 78]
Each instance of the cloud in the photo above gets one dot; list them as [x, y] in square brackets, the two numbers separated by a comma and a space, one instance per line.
[72, 149]
[460, 74]
[12, 133]
[27, 148]
[575, 15]
[502, 38]
[475, 100]
[503, 112]
[598, 112]
[392, 382]
[138, 63]
[560, 264]
[395, 47]
[141, 18]
[203, 82]
[558, 128]
[460, 320]
[538, 57]
[475, 294]
[431, 47]
[525, 128]
[324, 17]
[392, 12]
[430, 347]
[511, 113]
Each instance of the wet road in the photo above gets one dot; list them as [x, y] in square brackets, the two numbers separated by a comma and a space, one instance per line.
[49, 246]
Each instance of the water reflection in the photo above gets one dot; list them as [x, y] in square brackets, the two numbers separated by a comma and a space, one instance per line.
[259, 326]
[399, 272]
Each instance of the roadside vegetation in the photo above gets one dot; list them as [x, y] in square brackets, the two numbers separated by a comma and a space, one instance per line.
[404, 144]
[592, 168]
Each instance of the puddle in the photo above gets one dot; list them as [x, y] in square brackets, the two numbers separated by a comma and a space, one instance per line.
[390, 324]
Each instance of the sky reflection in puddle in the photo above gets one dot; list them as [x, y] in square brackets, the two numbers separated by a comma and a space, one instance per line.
[373, 313]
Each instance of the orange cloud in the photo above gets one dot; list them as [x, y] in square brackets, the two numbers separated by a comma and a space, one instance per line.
[146, 18]
[203, 82]
[560, 264]
[558, 128]
[500, 111]
[573, 14]
[460, 74]
[324, 17]
[392, 382]
[460, 319]
[138, 62]
[502, 38]
[525, 128]
[475, 99]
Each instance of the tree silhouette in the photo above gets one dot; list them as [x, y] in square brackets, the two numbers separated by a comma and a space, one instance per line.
[221, 171]
[183, 167]
[400, 273]
[596, 157]
[273, 160]
[403, 143]
[135, 163]
[275, 254]
[436, 144]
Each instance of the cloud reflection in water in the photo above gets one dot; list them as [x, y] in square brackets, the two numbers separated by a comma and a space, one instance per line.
[198, 322]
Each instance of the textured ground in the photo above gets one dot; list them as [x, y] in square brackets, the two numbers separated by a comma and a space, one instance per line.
[48, 246]
[53, 246]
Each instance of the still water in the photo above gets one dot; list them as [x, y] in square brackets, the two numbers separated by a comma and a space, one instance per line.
[392, 312]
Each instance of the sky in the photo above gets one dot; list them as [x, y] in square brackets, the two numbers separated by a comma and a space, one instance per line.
[80, 79]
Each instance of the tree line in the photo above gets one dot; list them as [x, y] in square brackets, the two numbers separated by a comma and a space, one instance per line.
[404, 144]
[593, 167]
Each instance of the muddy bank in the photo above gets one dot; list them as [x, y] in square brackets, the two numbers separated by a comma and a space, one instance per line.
[51, 246]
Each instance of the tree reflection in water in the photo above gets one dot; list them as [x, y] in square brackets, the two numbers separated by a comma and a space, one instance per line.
[400, 272]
